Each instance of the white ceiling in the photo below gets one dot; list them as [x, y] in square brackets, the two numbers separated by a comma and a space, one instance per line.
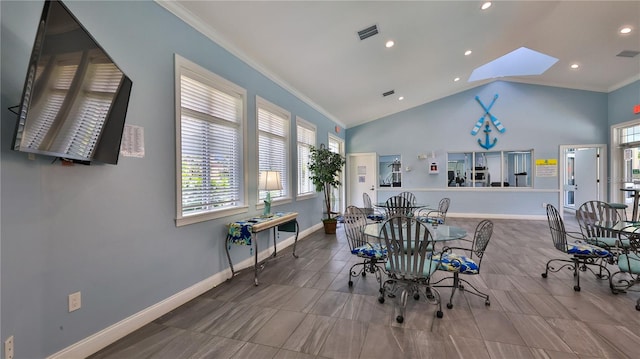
[312, 47]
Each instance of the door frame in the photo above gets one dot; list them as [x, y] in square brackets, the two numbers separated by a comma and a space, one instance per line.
[350, 157]
[602, 173]
[617, 161]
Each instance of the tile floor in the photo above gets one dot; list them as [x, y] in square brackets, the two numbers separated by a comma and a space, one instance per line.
[303, 308]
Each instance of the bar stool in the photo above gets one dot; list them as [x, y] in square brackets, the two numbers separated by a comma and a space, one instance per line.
[620, 206]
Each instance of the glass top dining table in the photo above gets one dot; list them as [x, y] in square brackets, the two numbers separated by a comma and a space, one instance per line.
[441, 232]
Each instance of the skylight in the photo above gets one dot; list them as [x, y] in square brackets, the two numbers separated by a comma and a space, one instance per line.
[520, 62]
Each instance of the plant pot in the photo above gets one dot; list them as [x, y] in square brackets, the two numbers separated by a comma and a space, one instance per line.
[330, 225]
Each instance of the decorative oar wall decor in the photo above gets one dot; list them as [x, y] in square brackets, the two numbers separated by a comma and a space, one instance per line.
[487, 128]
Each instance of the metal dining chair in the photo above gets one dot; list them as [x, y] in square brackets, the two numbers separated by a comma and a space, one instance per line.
[590, 216]
[582, 255]
[398, 205]
[452, 261]
[409, 261]
[372, 254]
[628, 273]
[372, 213]
[409, 196]
[438, 216]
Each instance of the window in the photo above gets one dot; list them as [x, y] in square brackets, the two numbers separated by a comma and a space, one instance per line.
[273, 145]
[209, 138]
[490, 169]
[630, 134]
[336, 145]
[306, 138]
[390, 171]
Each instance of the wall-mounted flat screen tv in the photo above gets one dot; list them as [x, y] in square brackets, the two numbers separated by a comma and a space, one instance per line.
[75, 97]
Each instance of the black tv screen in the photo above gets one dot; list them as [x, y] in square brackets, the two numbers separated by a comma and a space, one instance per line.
[75, 97]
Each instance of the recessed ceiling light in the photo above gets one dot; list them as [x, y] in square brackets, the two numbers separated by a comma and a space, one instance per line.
[625, 30]
[389, 43]
[575, 66]
[456, 79]
[401, 98]
[485, 5]
[467, 53]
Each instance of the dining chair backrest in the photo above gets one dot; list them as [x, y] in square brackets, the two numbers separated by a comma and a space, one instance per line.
[443, 206]
[409, 196]
[366, 200]
[409, 244]
[556, 225]
[398, 205]
[592, 212]
[481, 238]
[354, 223]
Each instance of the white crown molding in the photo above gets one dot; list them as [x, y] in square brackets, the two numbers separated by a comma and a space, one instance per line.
[178, 10]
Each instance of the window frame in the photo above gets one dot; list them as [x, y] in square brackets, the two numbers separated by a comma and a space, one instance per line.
[199, 73]
[300, 122]
[278, 111]
[470, 171]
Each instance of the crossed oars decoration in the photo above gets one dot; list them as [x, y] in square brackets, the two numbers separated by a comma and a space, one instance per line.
[487, 130]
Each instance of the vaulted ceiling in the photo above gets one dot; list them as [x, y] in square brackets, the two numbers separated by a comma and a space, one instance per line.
[313, 49]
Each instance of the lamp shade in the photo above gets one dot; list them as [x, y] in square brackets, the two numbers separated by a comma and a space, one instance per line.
[269, 181]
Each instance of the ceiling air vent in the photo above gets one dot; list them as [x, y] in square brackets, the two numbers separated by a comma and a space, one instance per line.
[628, 53]
[368, 32]
[388, 93]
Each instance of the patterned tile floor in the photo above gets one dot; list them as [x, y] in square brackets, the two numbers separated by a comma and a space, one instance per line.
[304, 308]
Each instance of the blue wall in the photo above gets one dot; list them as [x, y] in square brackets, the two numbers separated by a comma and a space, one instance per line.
[108, 231]
[535, 117]
[621, 102]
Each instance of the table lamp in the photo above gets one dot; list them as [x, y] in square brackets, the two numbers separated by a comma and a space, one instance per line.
[269, 181]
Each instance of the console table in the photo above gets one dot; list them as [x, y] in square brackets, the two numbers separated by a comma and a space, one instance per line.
[244, 233]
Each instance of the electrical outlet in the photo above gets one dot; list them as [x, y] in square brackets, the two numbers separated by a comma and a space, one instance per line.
[75, 301]
[8, 348]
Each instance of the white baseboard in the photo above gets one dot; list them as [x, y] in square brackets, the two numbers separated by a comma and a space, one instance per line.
[103, 338]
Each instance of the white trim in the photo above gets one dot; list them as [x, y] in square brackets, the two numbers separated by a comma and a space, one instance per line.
[615, 181]
[300, 122]
[268, 106]
[602, 173]
[183, 66]
[342, 176]
[103, 338]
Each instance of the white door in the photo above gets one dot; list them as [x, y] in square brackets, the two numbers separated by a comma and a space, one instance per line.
[586, 175]
[361, 177]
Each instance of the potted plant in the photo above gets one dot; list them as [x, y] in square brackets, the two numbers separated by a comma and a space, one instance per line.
[324, 168]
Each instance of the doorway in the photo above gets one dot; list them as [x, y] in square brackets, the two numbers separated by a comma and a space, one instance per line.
[581, 175]
[625, 162]
[361, 177]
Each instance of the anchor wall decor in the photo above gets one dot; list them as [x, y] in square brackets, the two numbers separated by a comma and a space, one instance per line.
[487, 128]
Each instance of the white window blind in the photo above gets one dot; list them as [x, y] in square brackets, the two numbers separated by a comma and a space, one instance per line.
[273, 144]
[306, 134]
[211, 120]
